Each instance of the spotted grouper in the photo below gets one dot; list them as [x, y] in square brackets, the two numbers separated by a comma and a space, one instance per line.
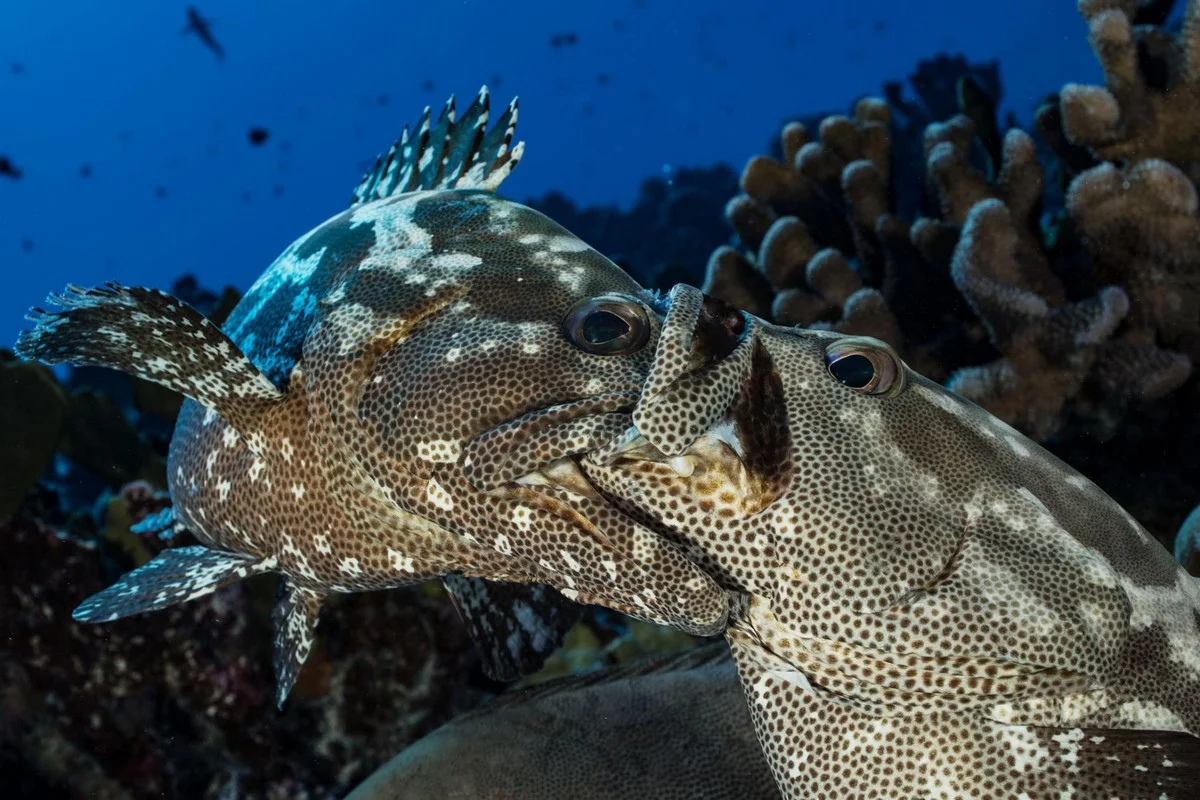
[927, 604]
[400, 397]
[670, 728]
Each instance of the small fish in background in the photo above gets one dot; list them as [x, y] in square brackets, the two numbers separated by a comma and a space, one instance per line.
[560, 40]
[160, 192]
[85, 170]
[9, 170]
[202, 28]
[26, 244]
[258, 136]
[671, 727]
[16, 68]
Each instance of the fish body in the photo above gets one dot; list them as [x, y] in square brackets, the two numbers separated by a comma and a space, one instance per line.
[929, 603]
[673, 727]
[388, 403]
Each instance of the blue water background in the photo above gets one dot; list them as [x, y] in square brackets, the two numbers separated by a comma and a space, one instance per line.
[649, 86]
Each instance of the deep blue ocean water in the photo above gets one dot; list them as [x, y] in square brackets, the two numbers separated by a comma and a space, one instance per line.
[133, 139]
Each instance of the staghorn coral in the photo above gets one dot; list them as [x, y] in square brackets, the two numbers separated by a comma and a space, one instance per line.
[1147, 106]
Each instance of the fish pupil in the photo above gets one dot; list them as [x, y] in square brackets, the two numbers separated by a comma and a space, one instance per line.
[603, 326]
[856, 371]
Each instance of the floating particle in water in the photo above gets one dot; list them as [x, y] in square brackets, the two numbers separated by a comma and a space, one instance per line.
[277, 190]
[495, 82]
[160, 192]
[16, 68]
[257, 136]
[26, 244]
[85, 170]
[569, 39]
[8, 169]
[427, 85]
[603, 79]
[382, 99]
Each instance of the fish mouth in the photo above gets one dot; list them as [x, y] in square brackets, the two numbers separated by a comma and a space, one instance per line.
[712, 475]
[538, 447]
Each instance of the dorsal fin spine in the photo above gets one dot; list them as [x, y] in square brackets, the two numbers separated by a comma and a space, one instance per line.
[450, 153]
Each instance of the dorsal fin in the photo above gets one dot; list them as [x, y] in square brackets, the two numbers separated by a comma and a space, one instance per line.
[448, 154]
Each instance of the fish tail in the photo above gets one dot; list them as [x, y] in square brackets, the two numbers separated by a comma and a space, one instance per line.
[295, 616]
[447, 154]
[173, 576]
[150, 334]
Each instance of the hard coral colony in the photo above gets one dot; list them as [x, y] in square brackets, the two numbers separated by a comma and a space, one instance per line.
[920, 600]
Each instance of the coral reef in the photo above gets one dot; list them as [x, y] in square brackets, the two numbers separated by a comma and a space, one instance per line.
[180, 703]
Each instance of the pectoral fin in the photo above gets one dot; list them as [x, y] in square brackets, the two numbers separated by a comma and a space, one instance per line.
[152, 335]
[173, 576]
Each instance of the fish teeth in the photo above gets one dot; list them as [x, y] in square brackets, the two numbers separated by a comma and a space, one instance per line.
[683, 466]
[561, 474]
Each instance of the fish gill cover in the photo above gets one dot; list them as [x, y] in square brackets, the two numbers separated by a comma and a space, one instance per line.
[1032, 242]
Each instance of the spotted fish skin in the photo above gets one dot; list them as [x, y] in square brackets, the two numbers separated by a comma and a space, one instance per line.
[929, 604]
[384, 407]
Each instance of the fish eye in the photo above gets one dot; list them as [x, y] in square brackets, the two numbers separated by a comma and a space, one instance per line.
[607, 325]
[864, 364]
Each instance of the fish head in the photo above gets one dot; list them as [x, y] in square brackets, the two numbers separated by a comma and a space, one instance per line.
[872, 506]
[470, 355]
[473, 312]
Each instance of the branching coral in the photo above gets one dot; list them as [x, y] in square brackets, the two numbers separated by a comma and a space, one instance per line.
[975, 292]
[1147, 106]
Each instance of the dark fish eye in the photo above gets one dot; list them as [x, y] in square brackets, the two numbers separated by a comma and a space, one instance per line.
[864, 364]
[607, 325]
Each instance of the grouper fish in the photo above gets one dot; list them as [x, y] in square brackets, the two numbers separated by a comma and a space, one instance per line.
[927, 604]
[398, 398]
[670, 728]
